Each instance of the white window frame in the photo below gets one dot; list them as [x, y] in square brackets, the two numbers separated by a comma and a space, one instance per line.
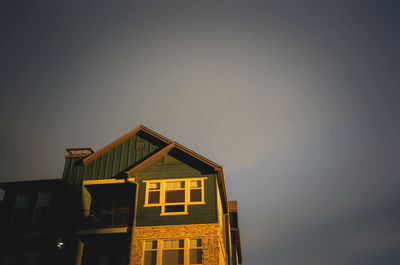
[162, 203]
[160, 248]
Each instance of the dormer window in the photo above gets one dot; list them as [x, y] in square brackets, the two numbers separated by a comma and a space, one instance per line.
[41, 213]
[21, 208]
[174, 195]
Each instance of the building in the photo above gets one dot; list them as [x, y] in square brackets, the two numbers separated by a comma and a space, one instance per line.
[142, 199]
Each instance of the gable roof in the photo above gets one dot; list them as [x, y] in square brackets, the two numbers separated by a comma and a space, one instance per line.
[170, 145]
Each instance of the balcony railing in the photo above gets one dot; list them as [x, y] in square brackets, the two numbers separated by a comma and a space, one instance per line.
[116, 217]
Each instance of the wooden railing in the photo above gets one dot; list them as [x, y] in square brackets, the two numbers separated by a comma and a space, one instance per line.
[116, 217]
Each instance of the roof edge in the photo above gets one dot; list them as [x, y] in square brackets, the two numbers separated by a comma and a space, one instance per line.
[218, 168]
[111, 145]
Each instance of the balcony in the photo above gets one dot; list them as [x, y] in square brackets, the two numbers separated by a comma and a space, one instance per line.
[116, 217]
[110, 206]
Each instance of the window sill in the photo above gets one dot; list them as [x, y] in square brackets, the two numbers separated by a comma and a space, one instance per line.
[180, 213]
[190, 203]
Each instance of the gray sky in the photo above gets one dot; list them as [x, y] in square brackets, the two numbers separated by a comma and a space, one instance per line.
[298, 101]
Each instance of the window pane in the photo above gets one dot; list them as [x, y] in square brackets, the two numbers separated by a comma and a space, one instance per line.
[41, 214]
[174, 243]
[8, 258]
[43, 199]
[2, 194]
[195, 195]
[174, 208]
[150, 257]
[103, 260]
[195, 243]
[195, 256]
[195, 184]
[154, 197]
[22, 200]
[175, 185]
[172, 257]
[151, 244]
[175, 196]
[20, 215]
[154, 186]
[122, 260]
[31, 257]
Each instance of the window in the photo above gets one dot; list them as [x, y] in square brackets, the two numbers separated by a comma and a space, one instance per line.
[107, 251]
[41, 213]
[31, 257]
[21, 208]
[172, 252]
[150, 252]
[154, 193]
[195, 252]
[2, 195]
[174, 195]
[8, 258]
[186, 251]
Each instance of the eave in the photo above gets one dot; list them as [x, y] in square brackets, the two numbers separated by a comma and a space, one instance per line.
[170, 145]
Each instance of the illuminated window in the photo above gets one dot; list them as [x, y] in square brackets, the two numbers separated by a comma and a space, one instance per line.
[186, 251]
[41, 213]
[150, 252]
[154, 193]
[195, 252]
[174, 195]
[172, 252]
[195, 190]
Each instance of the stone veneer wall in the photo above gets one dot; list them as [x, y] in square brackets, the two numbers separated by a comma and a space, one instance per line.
[213, 246]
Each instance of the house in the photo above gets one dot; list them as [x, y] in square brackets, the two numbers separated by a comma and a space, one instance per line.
[142, 199]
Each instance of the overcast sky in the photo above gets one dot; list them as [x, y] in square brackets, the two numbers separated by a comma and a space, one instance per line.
[299, 101]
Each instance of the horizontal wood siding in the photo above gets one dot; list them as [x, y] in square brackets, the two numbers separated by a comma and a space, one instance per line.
[204, 213]
[120, 158]
[173, 168]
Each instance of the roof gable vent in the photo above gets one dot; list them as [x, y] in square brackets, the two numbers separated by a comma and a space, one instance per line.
[79, 152]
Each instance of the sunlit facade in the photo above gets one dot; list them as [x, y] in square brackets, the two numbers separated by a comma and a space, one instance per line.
[142, 199]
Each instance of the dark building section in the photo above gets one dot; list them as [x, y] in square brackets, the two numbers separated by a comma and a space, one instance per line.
[38, 222]
[142, 199]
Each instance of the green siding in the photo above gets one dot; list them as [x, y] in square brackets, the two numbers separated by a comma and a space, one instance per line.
[120, 158]
[73, 171]
[173, 168]
[124, 156]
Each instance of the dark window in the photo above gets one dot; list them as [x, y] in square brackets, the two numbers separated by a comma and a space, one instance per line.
[8, 258]
[21, 208]
[172, 196]
[154, 197]
[2, 194]
[42, 207]
[195, 195]
[174, 208]
[31, 257]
